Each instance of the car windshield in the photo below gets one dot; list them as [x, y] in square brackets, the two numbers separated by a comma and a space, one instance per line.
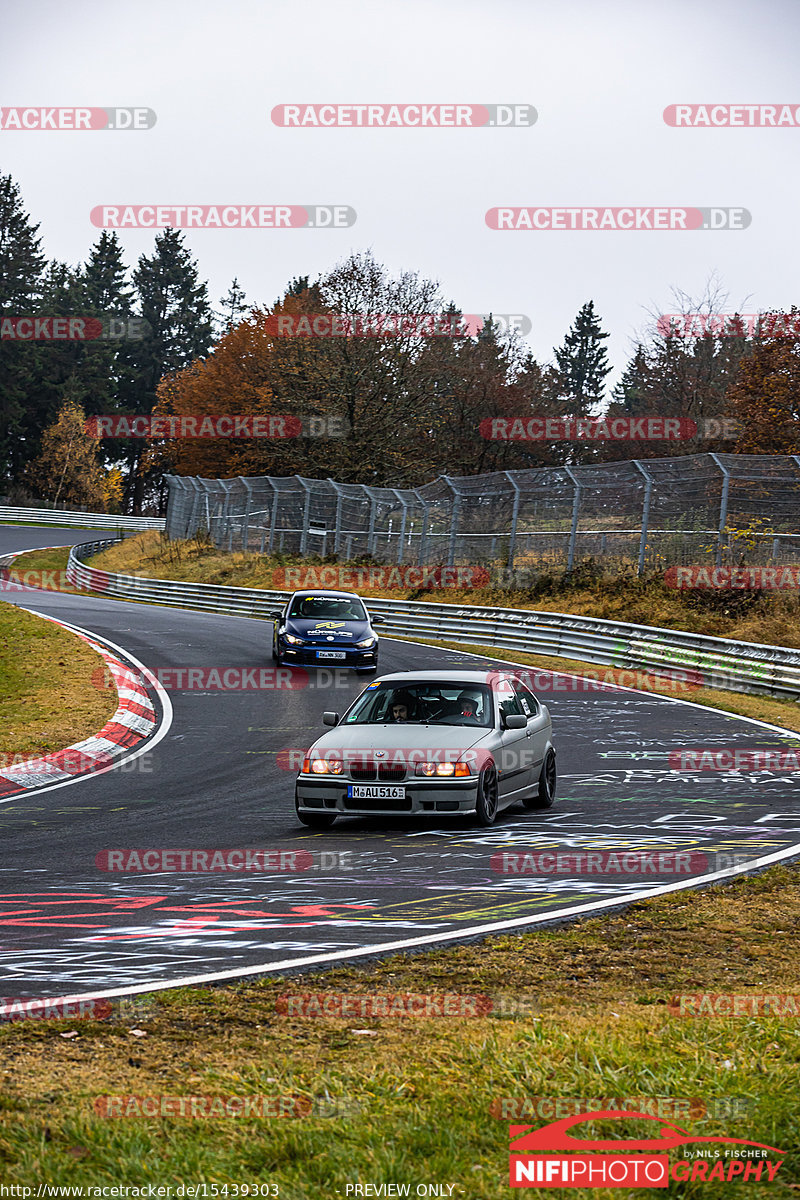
[317, 608]
[423, 703]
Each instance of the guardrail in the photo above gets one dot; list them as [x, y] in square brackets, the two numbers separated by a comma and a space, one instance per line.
[707, 661]
[49, 516]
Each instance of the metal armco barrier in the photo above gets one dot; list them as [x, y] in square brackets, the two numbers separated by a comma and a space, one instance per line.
[708, 661]
[49, 516]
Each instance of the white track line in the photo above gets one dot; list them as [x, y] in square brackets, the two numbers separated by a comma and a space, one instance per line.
[473, 931]
[162, 729]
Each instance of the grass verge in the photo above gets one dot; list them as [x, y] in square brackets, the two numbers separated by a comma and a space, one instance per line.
[419, 1100]
[47, 698]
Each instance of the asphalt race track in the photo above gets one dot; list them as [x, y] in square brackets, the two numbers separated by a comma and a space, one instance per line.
[215, 781]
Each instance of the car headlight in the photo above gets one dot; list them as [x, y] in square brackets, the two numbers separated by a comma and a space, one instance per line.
[323, 766]
[292, 640]
[459, 770]
[370, 641]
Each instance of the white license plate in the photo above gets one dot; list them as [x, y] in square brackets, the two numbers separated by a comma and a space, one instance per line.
[375, 791]
[337, 654]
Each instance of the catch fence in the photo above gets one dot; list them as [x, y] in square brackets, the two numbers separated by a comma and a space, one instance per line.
[649, 513]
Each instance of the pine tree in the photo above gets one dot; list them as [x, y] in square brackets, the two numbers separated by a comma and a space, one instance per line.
[633, 389]
[107, 295]
[234, 306]
[21, 259]
[106, 288]
[175, 305]
[21, 267]
[583, 363]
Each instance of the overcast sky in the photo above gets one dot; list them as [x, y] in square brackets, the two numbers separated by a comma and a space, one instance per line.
[599, 75]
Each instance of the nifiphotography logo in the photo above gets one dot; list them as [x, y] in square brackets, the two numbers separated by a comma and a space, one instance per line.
[630, 1162]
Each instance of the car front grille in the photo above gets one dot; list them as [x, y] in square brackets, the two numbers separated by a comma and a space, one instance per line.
[385, 772]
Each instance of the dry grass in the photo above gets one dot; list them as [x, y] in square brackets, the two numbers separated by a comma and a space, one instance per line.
[428, 1091]
[51, 686]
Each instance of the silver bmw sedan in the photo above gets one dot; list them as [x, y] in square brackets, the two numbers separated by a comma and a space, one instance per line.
[443, 742]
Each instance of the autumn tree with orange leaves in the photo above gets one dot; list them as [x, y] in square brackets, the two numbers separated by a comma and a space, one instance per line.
[765, 397]
[411, 406]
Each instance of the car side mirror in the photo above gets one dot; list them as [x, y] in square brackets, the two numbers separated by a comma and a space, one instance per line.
[377, 620]
[330, 718]
[274, 616]
[514, 721]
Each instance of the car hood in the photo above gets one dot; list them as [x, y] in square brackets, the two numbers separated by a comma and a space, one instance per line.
[322, 629]
[396, 738]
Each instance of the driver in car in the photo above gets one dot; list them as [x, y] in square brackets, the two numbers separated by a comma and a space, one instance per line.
[468, 708]
[399, 709]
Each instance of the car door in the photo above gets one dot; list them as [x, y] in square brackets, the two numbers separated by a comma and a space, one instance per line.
[536, 730]
[514, 771]
[280, 625]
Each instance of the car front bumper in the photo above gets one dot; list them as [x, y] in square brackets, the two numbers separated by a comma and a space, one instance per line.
[314, 794]
[309, 656]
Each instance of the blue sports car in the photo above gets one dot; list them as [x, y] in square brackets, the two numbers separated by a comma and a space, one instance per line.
[321, 628]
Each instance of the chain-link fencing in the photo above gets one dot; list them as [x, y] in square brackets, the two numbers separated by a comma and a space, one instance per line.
[651, 514]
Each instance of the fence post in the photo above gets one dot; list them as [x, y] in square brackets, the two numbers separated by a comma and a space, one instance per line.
[648, 488]
[455, 513]
[573, 533]
[512, 541]
[373, 512]
[337, 528]
[248, 506]
[226, 487]
[723, 504]
[273, 516]
[193, 523]
[403, 519]
[423, 537]
[306, 515]
[173, 482]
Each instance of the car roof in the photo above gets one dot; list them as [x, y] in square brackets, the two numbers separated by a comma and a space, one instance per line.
[436, 676]
[324, 594]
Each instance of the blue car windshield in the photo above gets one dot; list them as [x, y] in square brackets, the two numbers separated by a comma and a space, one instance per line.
[314, 608]
[424, 704]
